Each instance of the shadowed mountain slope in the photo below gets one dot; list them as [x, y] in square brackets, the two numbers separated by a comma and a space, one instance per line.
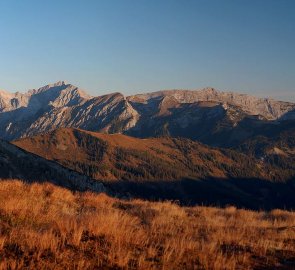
[16, 163]
[275, 147]
[168, 168]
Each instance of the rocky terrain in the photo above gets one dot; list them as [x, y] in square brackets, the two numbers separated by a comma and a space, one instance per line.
[247, 158]
[263, 107]
[210, 116]
[59, 105]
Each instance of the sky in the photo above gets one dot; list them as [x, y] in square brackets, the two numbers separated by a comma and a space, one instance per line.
[135, 46]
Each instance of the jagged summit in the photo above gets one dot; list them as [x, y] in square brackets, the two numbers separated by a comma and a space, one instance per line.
[268, 108]
[60, 83]
[53, 85]
[188, 113]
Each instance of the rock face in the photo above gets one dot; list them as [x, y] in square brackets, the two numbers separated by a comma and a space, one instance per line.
[206, 115]
[267, 108]
[62, 105]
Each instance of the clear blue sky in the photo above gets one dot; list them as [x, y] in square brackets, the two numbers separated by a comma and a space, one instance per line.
[146, 45]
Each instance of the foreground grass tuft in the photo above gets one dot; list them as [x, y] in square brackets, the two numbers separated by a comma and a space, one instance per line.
[46, 227]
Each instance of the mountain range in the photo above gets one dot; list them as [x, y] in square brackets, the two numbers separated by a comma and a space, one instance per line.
[203, 146]
[209, 116]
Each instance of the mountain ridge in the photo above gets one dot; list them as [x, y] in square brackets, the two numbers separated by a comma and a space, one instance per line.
[168, 112]
[69, 146]
[17, 163]
[168, 168]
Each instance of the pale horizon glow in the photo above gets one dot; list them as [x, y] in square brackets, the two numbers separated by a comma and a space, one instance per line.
[144, 46]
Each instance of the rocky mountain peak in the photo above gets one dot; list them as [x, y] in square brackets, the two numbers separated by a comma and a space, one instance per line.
[4, 93]
[56, 84]
[209, 90]
[268, 108]
[52, 87]
[59, 83]
[64, 105]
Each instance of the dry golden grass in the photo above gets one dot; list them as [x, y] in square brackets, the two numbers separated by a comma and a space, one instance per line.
[46, 227]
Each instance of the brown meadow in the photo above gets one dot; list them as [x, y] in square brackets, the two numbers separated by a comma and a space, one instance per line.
[47, 227]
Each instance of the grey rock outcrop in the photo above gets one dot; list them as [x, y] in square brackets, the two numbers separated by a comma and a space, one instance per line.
[152, 114]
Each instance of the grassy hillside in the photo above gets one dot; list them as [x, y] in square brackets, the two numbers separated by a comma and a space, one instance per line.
[168, 168]
[19, 164]
[119, 157]
[46, 227]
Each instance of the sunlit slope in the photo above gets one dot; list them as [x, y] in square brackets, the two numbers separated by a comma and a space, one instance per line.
[117, 157]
